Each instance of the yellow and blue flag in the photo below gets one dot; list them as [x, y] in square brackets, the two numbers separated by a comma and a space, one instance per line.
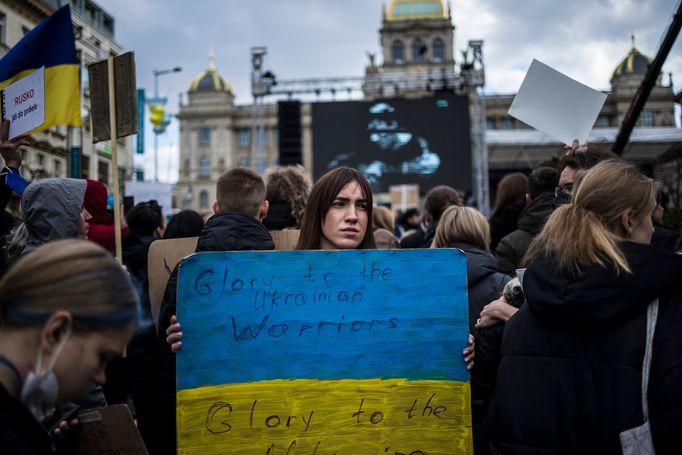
[49, 44]
[323, 352]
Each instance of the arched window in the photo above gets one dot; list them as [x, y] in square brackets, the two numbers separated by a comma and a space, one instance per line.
[438, 50]
[203, 199]
[398, 52]
[418, 50]
[204, 167]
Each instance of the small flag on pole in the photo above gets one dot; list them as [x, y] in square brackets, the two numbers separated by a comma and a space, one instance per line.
[49, 44]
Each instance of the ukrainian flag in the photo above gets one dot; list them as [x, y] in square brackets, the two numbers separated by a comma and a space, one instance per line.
[318, 352]
[49, 44]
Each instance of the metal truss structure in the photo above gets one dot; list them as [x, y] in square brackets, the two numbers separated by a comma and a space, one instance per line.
[470, 81]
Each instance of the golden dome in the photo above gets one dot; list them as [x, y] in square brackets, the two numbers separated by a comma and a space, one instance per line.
[633, 63]
[210, 80]
[401, 10]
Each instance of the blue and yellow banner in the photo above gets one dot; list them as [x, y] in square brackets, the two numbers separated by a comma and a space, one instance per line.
[49, 44]
[321, 352]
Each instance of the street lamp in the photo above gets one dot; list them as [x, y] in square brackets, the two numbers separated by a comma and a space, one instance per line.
[158, 73]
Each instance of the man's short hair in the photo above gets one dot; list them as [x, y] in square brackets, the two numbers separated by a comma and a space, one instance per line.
[542, 180]
[240, 190]
[587, 159]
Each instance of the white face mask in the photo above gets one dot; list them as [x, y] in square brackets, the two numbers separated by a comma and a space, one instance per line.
[40, 389]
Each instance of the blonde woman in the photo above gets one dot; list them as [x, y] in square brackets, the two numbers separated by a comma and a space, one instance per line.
[571, 373]
[382, 218]
[467, 229]
[66, 309]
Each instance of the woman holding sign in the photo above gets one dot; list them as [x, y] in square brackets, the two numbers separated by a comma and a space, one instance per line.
[66, 309]
[576, 356]
[336, 217]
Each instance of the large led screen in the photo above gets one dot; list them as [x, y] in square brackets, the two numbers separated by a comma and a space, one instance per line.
[397, 141]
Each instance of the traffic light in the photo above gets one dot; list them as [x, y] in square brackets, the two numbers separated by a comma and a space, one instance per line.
[157, 114]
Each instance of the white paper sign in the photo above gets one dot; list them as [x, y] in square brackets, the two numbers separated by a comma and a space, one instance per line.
[162, 193]
[557, 105]
[25, 103]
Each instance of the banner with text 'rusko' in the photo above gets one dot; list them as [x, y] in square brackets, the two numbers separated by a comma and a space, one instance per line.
[323, 352]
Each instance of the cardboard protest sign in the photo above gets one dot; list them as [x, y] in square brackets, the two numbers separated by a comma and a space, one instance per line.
[164, 255]
[323, 352]
[556, 104]
[286, 239]
[125, 93]
[108, 430]
[23, 103]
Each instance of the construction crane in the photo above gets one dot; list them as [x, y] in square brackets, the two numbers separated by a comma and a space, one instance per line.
[470, 80]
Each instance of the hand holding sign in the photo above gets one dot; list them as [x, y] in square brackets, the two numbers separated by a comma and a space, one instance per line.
[9, 148]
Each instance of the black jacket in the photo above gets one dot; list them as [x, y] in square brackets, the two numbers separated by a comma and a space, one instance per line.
[666, 238]
[484, 282]
[20, 433]
[513, 247]
[665, 381]
[570, 376]
[279, 217]
[504, 222]
[229, 231]
[420, 238]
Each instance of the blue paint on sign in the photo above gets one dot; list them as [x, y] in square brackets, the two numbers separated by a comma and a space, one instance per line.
[355, 314]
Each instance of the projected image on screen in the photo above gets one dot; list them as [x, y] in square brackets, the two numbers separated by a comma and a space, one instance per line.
[395, 142]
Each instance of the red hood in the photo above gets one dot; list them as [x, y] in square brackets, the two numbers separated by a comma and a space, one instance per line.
[96, 202]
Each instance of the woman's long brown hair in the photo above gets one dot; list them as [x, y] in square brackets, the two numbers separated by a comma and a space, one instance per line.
[321, 198]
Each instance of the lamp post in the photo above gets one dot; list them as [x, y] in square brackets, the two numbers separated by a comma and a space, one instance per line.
[158, 73]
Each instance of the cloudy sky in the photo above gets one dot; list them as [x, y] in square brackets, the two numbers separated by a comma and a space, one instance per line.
[584, 39]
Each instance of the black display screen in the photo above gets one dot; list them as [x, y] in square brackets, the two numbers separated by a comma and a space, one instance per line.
[397, 141]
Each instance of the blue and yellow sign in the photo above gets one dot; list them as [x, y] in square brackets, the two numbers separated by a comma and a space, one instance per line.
[321, 352]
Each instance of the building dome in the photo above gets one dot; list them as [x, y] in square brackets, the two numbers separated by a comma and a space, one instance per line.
[400, 10]
[633, 63]
[210, 80]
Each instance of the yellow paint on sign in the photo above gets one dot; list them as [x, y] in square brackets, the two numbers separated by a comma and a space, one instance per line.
[312, 417]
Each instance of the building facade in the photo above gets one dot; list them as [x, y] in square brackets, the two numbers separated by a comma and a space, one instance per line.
[417, 46]
[94, 34]
[216, 135]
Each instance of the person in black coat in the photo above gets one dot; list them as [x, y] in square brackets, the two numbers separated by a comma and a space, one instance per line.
[236, 226]
[571, 371]
[541, 203]
[509, 202]
[131, 376]
[467, 229]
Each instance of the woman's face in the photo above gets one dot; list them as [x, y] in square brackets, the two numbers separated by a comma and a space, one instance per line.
[346, 221]
[84, 360]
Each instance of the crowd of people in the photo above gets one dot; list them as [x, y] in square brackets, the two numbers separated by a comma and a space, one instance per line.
[573, 290]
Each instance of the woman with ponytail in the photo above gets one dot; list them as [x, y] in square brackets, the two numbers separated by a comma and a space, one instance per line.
[570, 379]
